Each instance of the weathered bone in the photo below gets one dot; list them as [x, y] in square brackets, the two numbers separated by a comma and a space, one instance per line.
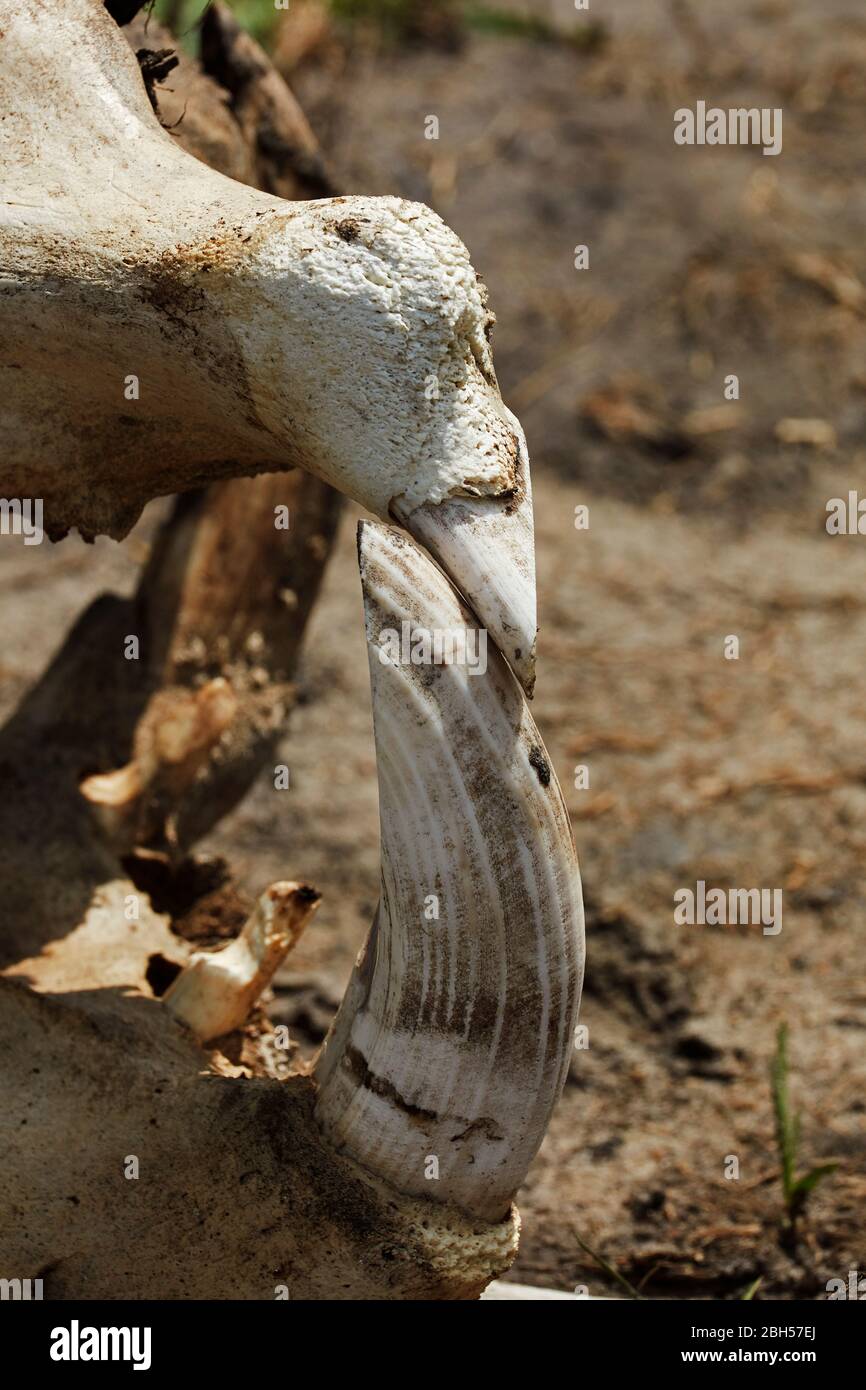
[176, 738]
[456, 1031]
[347, 336]
[216, 597]
[453, 1037]
[214, 994]
[226, 593]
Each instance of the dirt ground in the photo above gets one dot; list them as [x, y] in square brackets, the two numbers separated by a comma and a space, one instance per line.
[703, 523]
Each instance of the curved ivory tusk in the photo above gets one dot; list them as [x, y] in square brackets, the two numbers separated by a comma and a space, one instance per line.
[489, 551]
[454, 1037]
[162, 326]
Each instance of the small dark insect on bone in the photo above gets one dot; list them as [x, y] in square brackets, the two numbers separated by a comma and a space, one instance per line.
[155, 64]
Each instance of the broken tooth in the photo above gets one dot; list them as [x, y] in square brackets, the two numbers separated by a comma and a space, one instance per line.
[184, 726]
[454, 1038]
[213, 995]
[174, 740]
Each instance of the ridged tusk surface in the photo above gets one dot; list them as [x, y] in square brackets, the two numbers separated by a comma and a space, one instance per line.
[454, 1037]
[486, 546]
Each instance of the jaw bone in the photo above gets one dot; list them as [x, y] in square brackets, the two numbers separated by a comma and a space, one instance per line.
[455, 1034]
[162, 326]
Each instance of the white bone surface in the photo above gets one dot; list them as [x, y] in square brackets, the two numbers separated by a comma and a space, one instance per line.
[347, 336]
[307, 331]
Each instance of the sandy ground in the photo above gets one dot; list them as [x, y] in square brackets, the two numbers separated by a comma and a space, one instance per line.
[702, 524]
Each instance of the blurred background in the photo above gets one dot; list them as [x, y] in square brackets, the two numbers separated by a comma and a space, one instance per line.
[706, 519]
